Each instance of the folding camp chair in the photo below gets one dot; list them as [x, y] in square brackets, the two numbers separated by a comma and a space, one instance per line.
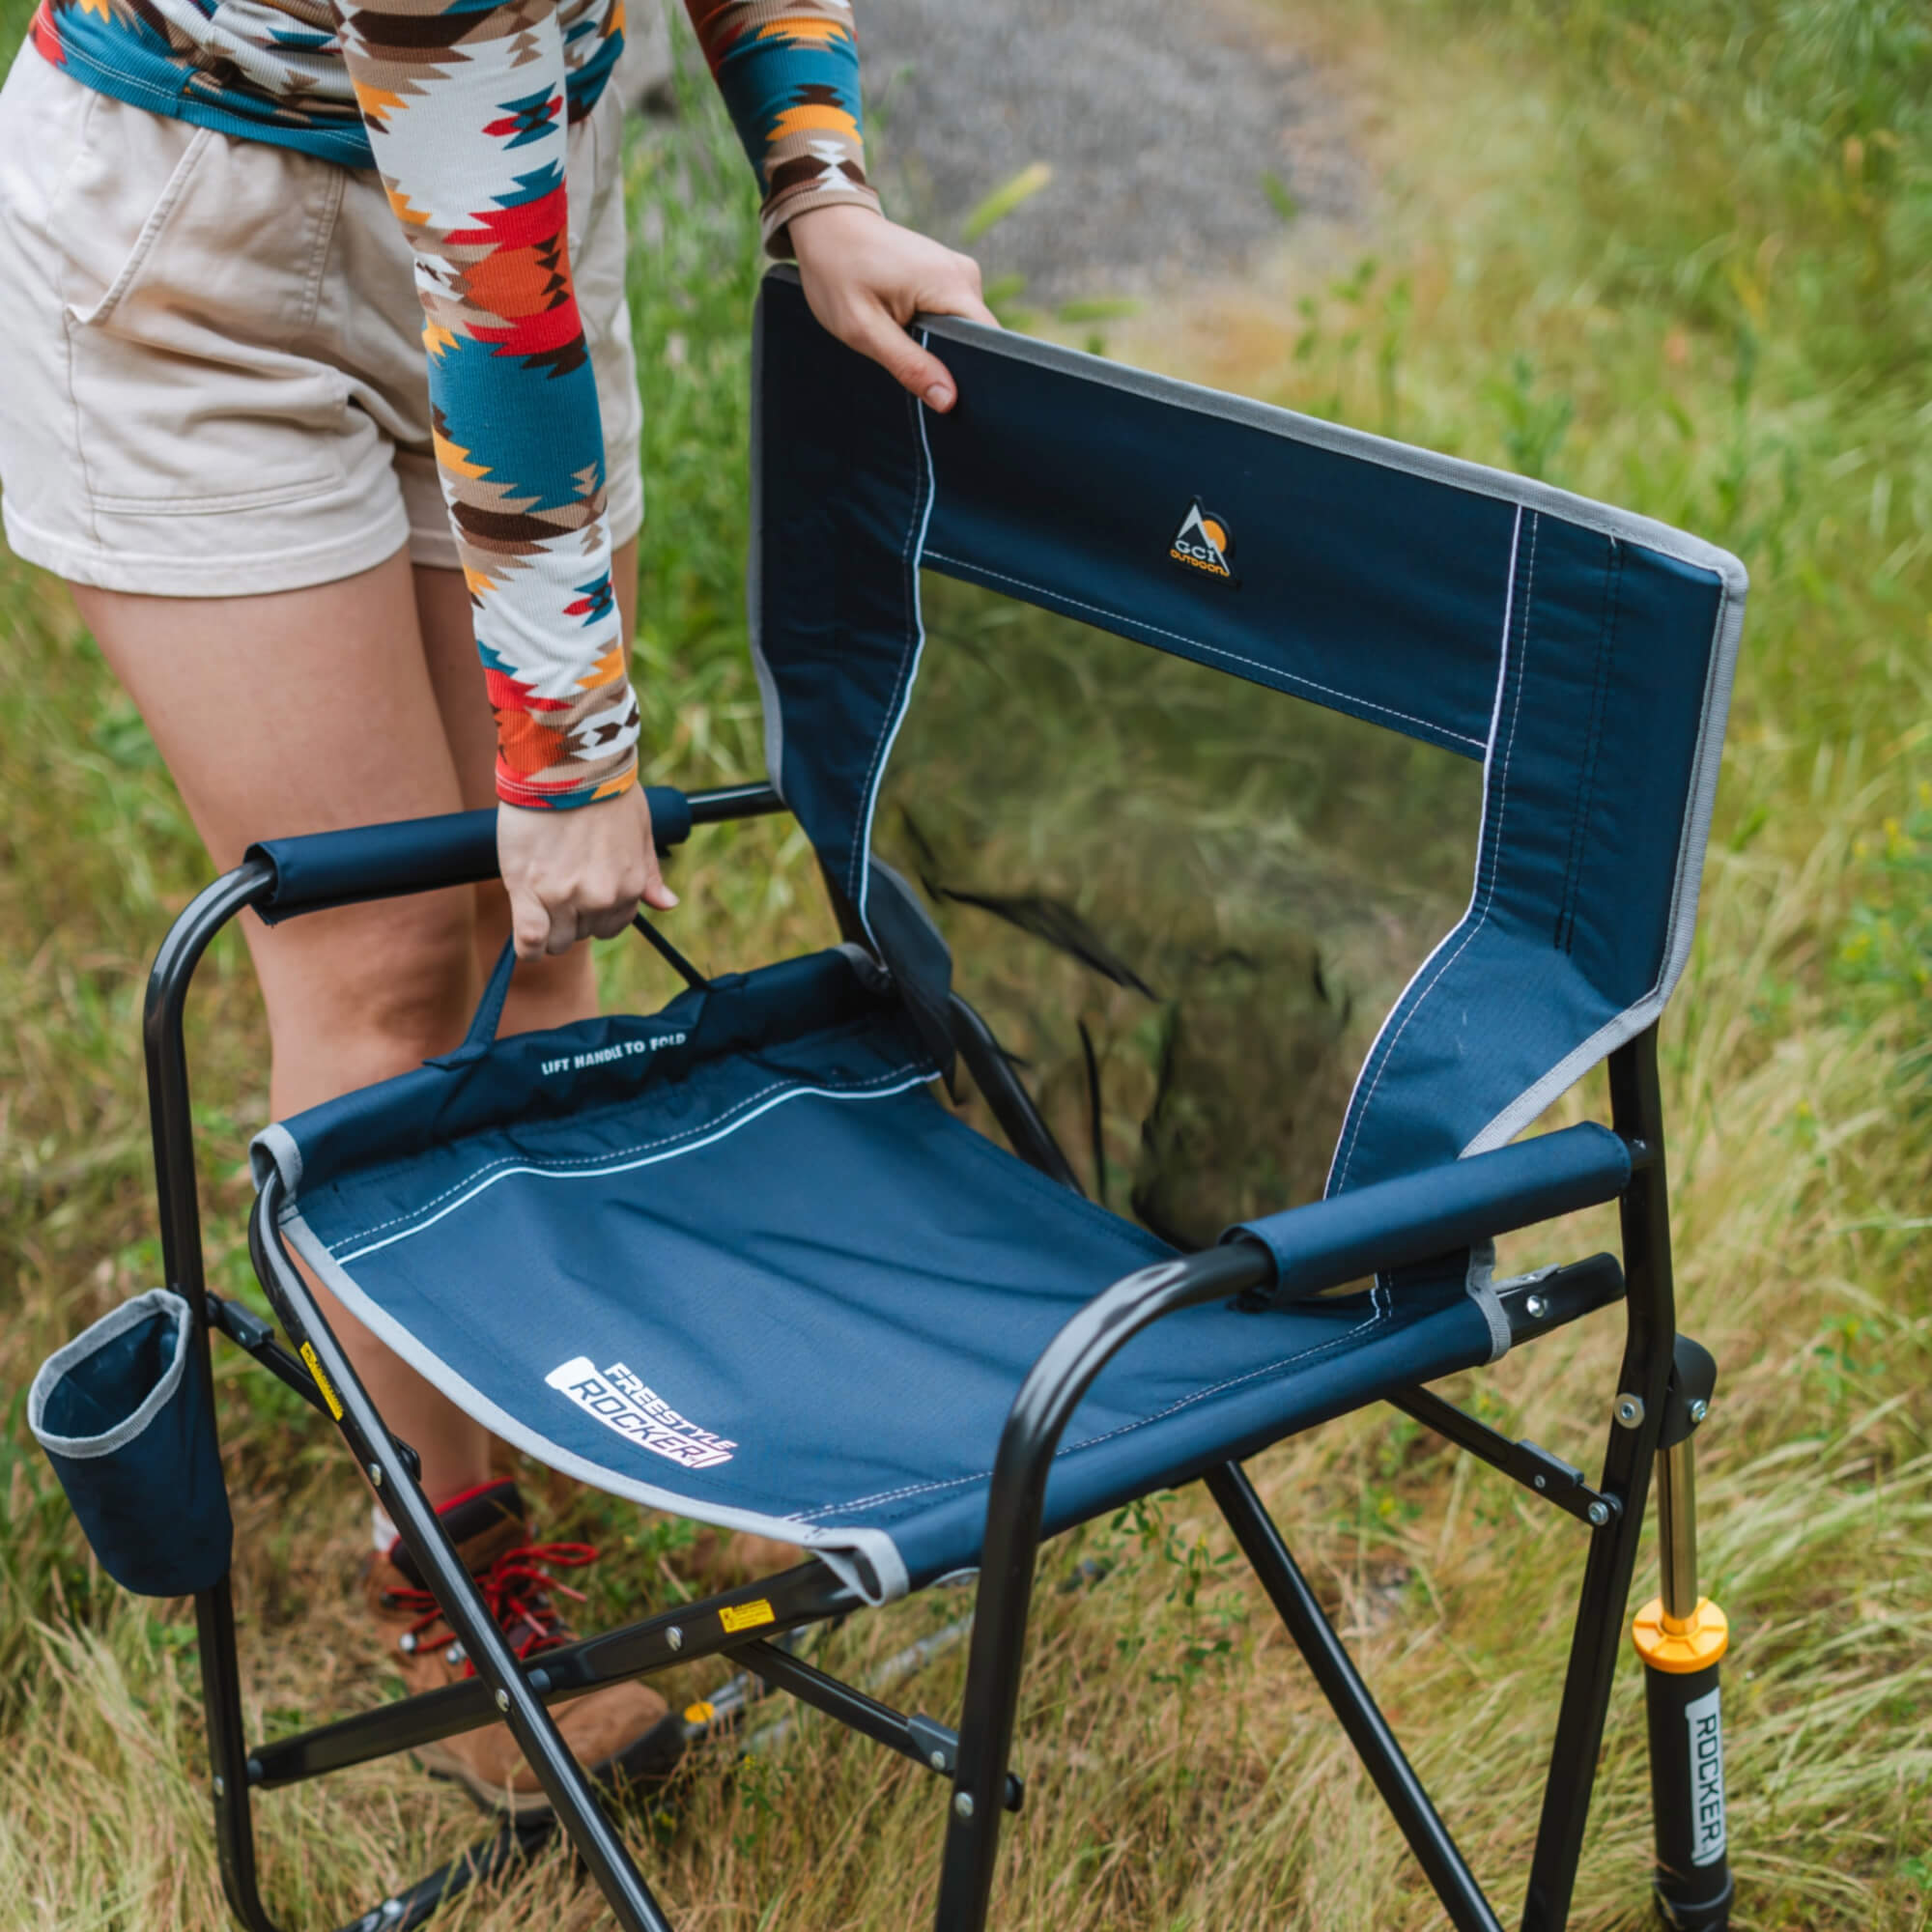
[735, 1261]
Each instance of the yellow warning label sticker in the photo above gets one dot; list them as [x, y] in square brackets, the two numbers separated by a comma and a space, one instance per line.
[699, 1713]
[321, 1381]
[746, 1617]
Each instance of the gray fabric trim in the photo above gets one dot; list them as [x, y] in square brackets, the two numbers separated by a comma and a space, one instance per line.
[1481, 1284]
[914, 906]
[871, 975]
[874, 1545]
[1707, 763]
[768, 691]
[274, 1150]
[117, 1322]
[915, 561]
[1455, 471]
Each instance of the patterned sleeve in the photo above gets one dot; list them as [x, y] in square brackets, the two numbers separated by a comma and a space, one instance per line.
[465, 107]
[788, 70]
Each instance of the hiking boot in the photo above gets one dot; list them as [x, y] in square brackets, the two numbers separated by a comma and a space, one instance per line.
[623, 1731]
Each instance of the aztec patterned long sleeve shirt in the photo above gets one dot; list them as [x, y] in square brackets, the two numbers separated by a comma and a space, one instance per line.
[463, 106]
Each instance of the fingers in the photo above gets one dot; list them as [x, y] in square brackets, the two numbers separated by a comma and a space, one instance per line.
[974, 310]
[529, 923]
[579, 875]
[915, 366]
[606, 923]
[865, 278]
[651, 889]
[965, 301]
[876, 334]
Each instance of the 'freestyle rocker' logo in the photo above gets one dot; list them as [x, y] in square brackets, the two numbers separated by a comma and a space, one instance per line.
[620, 1400]
[1203, 543]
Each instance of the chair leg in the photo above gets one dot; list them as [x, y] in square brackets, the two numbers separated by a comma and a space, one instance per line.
[228, 1750]
[1594, 1645]
[1342, 1684]
[1643, 1382]
[571, 1800]
[986, 1721]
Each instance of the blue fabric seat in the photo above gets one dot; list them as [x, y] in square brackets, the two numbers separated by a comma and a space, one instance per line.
[752, 1269]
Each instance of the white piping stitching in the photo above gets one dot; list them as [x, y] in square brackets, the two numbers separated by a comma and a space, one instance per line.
[1482, 893]
[858, 879]
[1510, 1121]
[1496, 862]
[620, 1161]
[1213, 650]
[584, 1159]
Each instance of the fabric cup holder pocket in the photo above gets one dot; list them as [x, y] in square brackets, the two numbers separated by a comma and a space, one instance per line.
[124, 1414]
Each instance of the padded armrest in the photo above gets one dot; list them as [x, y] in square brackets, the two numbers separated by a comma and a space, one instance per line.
[1415, 1216]
[410, 855]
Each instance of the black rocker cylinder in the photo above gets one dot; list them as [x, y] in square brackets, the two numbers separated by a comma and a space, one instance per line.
[1682, 1638]
[1687, 1795]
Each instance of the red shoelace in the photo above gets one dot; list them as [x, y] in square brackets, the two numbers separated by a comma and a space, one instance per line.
[517, 1587]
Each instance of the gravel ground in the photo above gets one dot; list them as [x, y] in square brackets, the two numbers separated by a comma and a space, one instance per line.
[1160, 120]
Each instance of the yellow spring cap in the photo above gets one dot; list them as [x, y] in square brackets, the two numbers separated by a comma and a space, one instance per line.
[1679, 1648]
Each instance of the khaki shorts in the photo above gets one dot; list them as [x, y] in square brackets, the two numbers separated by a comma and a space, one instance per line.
[211, 377]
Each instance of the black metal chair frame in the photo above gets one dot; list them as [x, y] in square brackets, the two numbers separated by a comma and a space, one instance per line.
[974, 1761]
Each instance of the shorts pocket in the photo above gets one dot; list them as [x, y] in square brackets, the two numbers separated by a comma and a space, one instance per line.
[197, 383]
[97, 312]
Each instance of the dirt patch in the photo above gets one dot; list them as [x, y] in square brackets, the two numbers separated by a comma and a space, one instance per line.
[1172, 132]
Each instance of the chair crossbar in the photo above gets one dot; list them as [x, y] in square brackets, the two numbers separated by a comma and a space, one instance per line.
[1526, 1463]
[1341, 1682]
[1532, 1304]
[930, 1745]
[809, 1594]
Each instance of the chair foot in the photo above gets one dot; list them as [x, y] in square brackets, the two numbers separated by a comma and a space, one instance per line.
[513, 1842]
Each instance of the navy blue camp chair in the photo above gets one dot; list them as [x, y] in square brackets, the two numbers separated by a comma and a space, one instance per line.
[737, 1261]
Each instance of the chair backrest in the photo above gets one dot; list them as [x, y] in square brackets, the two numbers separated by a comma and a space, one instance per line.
[1582, 654]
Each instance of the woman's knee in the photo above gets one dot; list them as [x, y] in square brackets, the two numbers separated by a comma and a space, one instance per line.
[366, 992]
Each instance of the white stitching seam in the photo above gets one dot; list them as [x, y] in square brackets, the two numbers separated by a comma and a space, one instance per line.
[922, 497]
[1333, 1342]
[1489, 888]
[856, 1090]
[1195, 644]
[1425, 973]
[1624, 1025]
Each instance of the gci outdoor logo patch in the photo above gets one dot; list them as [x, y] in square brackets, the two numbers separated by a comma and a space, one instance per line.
[1204, 543]
[619, 1400]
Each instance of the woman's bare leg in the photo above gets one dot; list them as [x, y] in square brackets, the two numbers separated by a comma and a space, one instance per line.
[346, 704]
[308, 711]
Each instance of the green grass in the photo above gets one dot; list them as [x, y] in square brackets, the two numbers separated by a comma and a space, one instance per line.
[1677, 255]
